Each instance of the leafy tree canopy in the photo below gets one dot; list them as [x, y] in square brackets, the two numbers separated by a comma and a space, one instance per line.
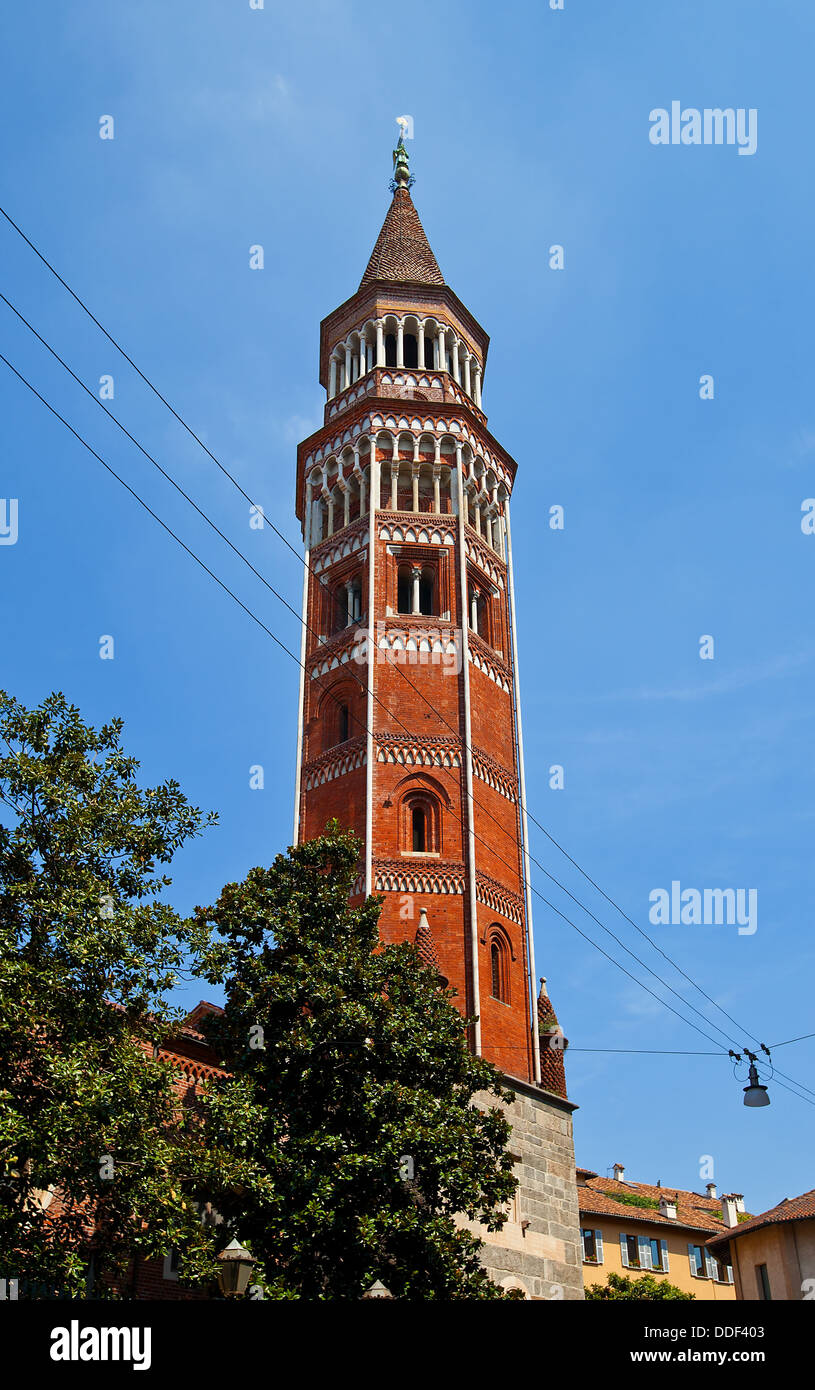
[648, 1287]
[357, 1059]
[92, 1130]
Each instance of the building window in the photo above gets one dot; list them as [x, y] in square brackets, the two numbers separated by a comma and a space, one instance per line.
[722, 1271]
[342, 724]
[420, 817]
[390, 349]
[428, 353]
[416, 589]
[499, 964]
[592, 1246]
[698, 1262]
[631, 1255]
[410, 349]
[657, 1247]
[763, 1282]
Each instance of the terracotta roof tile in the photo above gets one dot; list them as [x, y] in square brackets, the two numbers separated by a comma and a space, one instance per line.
[692, 1210]
[402, 251]
[791, 1209]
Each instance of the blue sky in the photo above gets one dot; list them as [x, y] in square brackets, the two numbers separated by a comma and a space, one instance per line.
[235, 127]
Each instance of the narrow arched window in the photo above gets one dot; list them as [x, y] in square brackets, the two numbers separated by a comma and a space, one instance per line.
[426, 590]
[495, 965]
[404, 590]
[390, 349]
[428, 353]
[343, 722]
[419, 826]
[410, 349]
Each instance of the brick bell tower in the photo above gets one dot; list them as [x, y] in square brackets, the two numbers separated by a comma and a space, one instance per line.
[410, 725]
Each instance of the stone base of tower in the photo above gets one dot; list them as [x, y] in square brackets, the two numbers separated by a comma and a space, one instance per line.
[543, 1257]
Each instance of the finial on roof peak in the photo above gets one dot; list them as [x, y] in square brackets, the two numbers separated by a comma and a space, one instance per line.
[402, 177]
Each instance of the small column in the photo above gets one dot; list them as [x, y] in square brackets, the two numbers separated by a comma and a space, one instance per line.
[477, 509]
[380, 343]
[369, 355]
[488, 520]
[456, 363]
[348, 365]
[436, 488]
[420, 342]
[394, 483]
[414, 475]
[329, 496]
[332, 377]
[474, 609]
[362, 364]
[346, 504]
[477, 386]
[415, 577]
[362, 491]
[400, 345]
[467, 374]
[442, 350]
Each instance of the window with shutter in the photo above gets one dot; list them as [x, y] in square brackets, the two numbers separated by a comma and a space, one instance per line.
[665, 1263]
[624, 1250]
[645, 1252]
[598, 1238]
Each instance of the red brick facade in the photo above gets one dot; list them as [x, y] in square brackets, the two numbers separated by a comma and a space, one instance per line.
[409, 691]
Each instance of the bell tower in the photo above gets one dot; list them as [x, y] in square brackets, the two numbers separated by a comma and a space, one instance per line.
[409, 727]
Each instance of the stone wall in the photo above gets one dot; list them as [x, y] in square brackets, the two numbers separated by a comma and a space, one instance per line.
[544, 1259]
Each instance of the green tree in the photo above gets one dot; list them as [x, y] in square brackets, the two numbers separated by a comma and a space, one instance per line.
[357, 1058]
[621, 1286]
[96, 1151]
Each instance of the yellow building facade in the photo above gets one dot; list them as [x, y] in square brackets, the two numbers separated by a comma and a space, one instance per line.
[632, 1229]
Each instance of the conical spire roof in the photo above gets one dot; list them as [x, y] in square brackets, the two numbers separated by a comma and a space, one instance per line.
[402, 250]
[426, 946]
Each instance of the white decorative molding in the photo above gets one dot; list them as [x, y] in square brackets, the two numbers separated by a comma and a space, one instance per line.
[413, 754]
[498, 899]
[394, 877]
[490, 668]
[333, 765]
[417, 533]
[338, 547]
[487, 770]
[487, 560]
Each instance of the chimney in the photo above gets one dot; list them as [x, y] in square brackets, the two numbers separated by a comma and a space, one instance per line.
[729, 1210]
[739, 1201]
[711, 1191]
[619, 1172]
[667, 1207]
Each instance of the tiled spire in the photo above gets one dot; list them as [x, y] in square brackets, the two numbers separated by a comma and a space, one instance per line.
[426, 946]
[402, 251]
[553, 1071]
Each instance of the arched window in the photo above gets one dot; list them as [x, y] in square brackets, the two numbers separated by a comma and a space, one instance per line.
[428, 353]
[495, 967]
[419, 822]
[390, 349]
[410, 349]
[499, 964]
[419, 827]
[343, 723]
